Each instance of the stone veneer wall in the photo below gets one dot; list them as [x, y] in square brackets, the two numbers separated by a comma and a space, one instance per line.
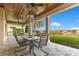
[3, 30]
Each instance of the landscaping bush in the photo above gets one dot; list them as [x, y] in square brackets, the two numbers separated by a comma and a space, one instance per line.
[17, 31]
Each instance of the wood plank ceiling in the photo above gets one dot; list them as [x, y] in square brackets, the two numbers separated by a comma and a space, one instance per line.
[22, 10]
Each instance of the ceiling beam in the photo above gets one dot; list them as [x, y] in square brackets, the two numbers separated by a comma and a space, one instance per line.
[13, 22]
[58, 9]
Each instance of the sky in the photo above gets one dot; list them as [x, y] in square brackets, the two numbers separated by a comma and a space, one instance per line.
[68, 19]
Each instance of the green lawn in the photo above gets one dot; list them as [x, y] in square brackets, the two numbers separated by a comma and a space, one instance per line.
[72, 40]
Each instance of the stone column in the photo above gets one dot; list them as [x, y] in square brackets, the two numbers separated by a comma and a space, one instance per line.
[2, 28]
[47, 28]
[30, 26]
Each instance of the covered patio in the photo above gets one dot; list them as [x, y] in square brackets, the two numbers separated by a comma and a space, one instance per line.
[26, 16]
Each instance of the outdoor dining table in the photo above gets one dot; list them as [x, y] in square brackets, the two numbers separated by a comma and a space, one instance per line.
[31, 42]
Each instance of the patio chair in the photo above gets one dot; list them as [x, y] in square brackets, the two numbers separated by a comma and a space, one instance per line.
[22, 45]
[20, 41]
[26, 34]
[42, 42]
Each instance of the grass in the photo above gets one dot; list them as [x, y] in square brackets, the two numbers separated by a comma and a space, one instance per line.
[68, 40]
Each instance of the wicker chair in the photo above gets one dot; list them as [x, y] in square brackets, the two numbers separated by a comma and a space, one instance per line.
[42, 42]
[22, 45]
